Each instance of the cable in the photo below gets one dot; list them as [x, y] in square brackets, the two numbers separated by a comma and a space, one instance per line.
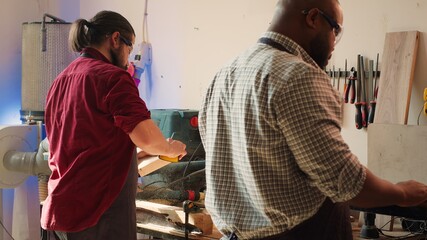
[385, 224]
[145, 24]
[416, 226]
[410, 235]
[151, 183]
[176, 181]
[419, 115]
[1, 223]
[407, 236]
[191, 158]
[184, 178]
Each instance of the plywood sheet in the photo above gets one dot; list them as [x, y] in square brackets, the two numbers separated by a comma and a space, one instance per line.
[397, 71]
[397, 152]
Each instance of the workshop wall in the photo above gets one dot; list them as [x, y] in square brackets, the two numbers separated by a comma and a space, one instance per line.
[365, 34]
[191, 39]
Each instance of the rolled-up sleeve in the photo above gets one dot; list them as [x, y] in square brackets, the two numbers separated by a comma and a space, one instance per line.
[312, 125]
[125, 104]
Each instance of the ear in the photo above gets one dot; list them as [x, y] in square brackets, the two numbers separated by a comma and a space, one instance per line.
[311, 18]
[115, 40]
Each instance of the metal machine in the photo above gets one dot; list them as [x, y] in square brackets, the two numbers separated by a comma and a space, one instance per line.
[19, 146]
[45, 54]
[174, 179]
[20, 159]
[170, 200]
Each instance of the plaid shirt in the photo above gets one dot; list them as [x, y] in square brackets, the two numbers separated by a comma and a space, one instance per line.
[270, 124]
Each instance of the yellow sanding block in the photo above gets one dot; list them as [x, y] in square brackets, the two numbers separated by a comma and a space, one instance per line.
[169, 159]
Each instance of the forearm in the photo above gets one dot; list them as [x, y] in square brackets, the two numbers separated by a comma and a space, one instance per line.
[147, 136]
[377, 192]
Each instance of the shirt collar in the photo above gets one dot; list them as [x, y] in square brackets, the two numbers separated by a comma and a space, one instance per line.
[94, 54]
[290, 46]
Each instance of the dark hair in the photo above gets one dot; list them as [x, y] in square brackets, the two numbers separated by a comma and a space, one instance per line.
[84, 33]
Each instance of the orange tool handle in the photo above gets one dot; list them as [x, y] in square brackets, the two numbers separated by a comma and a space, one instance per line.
[347, 91]
[364, 110]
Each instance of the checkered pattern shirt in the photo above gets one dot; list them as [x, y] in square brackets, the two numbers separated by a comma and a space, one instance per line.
[270, 124]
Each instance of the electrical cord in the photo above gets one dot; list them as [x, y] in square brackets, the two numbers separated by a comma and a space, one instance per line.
[410, 235]
[1, 223]
[188, 164]
[419, 115]
[152, 183]
[407, 236]
[186, 177]
[145, 24]
[156, 191]
[191, 159]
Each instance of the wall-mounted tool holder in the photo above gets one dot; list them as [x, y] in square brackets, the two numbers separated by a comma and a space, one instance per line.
[343, 74]
[359, 88]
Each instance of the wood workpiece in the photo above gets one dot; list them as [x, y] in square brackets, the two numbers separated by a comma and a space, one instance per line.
[149, 164]
[201, 219]
[397, 72]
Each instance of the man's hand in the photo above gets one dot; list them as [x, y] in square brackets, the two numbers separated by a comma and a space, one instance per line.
[377, 192]
[177, 148]
[415, 193]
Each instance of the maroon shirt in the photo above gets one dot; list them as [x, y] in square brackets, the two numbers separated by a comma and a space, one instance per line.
[91, 108]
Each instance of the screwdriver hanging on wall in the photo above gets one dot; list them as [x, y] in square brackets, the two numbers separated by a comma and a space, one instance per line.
[362, 81]
[358, 103]
[339, 79]
[425, 101]
[373, 102]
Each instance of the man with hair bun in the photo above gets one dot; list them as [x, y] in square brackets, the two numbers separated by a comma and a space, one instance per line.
[94, 119]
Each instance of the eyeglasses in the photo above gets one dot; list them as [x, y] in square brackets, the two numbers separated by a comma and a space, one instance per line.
[338, 29]
[126, 41]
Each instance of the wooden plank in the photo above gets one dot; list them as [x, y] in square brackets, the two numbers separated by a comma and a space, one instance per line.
[396, 152]
[201, 219]
[150, 164]
[397, 72]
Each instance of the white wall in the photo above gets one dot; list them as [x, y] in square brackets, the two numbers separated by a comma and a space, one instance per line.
[365, 34]
[191, 39]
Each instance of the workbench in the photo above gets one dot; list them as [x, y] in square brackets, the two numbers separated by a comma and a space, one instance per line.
[167, 222]
[170, 233]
